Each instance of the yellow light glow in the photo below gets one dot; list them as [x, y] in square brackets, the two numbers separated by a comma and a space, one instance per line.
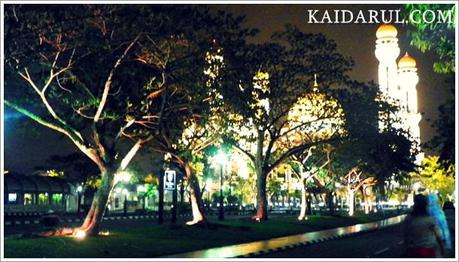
[80, 234]
[386, 31]
[123, 176]
[324, 113]
[106, 233]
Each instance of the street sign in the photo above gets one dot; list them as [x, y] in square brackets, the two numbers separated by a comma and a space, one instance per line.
[169, 180]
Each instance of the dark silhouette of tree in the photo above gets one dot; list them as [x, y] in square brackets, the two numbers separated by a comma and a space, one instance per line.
[273, 92]
[439, 39]
[82, 70]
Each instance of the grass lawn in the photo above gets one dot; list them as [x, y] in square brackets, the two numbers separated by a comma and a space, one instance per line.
[153, 241]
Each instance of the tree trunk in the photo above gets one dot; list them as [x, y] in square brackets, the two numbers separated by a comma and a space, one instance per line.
[365, 200]
[99, 203]
[303, 200]
[330, 205]
[308, 204]
[182, 192]
[197, 206]
[351, 202]
[262, 203]
[380, 196]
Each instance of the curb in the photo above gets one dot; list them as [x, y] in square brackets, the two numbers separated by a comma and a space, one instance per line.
[310, 242]
[70, 220]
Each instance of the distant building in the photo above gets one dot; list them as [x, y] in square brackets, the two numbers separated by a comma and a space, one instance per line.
[397, 81]
[37, 194]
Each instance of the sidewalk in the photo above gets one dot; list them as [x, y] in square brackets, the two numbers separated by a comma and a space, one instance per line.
[281, 243]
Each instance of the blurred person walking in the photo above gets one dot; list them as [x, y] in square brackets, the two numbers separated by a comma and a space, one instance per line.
[421, 233]
[434, 210]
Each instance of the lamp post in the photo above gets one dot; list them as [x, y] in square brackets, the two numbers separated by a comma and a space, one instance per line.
[167, 158]
[79, 190]
[221, 158]
[125, 193]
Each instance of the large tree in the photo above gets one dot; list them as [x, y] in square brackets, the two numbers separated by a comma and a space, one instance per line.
[62, 72]
[81, 70]
[184, 115]
[438, 38]
[277, 77]
[434, 177]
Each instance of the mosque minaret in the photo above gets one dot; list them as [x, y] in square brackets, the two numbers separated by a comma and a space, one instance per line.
[397, 81]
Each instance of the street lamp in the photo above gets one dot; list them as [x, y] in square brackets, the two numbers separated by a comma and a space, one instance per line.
[79, 190]
[221, 159]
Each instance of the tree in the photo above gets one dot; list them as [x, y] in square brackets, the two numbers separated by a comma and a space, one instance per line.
[306, 168]
[443, 141]
[434, 177]
[60, 72]
[82, 71]
[438, 38]
[274, 79]
[184, 116]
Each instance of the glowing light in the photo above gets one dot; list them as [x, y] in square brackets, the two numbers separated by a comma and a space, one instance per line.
[398, 83]
[80, 234]
[221, 157]
[122, 176]
[106, 233]
[141, 188]
[79, 188]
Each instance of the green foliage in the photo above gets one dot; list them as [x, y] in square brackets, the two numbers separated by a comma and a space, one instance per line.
[439, 38]
[436, 37]
[436, 177]
[399, 194]
[151, 190]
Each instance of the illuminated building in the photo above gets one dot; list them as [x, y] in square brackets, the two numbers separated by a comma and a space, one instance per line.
[397, 81]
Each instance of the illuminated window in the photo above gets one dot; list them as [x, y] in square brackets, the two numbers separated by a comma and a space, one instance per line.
[12, 198]
[28, 199]
[43, 199]
[56, 199]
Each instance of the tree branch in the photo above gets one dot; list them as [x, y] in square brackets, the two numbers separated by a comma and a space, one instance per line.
[75, 138]
[128, 157]
[108, 82]
[297, 149]
[250, 156]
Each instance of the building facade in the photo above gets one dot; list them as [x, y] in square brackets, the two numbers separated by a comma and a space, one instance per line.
[398, 81]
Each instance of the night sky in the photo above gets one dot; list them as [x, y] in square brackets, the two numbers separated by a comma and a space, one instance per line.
[24, 152]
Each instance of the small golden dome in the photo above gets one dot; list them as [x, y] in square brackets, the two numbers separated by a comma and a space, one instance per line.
[407, 62]
[386, 30]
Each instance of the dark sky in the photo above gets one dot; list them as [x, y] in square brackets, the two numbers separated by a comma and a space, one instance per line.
[355, 40]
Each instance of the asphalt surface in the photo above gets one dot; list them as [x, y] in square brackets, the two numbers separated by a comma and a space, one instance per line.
[383, 243]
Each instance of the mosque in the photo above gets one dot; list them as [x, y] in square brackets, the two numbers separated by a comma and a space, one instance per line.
[397, 81]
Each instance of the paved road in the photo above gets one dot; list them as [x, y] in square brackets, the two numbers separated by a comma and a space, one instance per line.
[385, 243]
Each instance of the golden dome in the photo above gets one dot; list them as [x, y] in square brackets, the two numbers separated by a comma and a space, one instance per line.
[386, 30]
[407, 61]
